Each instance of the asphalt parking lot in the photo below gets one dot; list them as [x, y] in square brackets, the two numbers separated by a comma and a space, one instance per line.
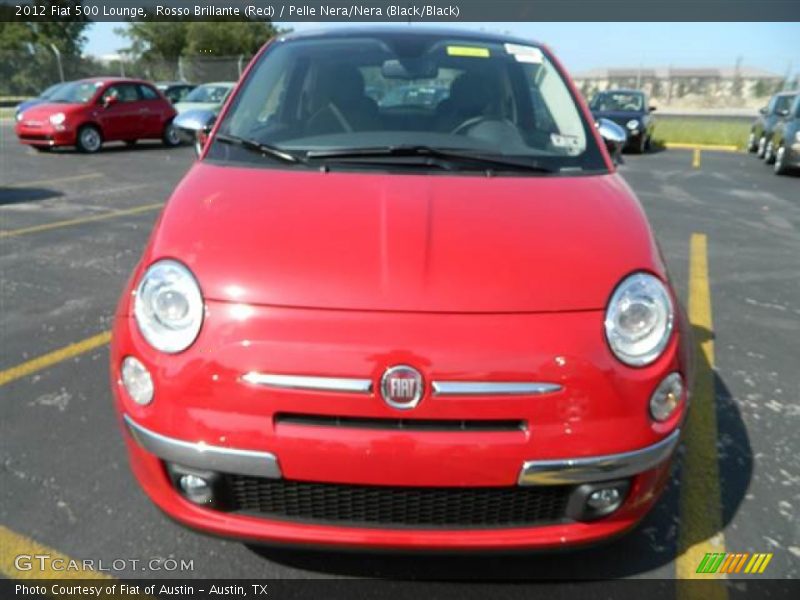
[74, 225]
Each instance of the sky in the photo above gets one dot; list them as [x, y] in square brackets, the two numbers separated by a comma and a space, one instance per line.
[581, 46]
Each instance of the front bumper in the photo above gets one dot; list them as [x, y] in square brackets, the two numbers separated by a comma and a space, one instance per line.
[44, 134]
[533, 472]
[208, 415]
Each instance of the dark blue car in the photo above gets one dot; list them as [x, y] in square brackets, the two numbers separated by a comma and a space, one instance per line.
[40, 99]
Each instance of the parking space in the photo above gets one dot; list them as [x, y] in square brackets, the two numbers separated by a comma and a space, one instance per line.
[74, 225]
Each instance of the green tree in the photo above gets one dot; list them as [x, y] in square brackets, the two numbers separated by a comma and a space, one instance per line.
[156, 40]
[227, 38]
[27, 60]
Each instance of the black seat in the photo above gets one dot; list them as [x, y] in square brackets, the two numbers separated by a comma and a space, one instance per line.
[340, 103]
[472, 94]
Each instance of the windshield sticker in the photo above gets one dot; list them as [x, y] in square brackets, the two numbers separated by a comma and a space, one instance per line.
[472, 51]
[526, 54]
[571, 143]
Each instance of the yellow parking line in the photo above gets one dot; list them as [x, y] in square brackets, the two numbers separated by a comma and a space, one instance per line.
[700, 501]
[13, 545]
[52, 358]
[696, 158]
[55, 180]
[79, 221]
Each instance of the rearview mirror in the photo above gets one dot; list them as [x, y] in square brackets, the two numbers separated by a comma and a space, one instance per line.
[413, 68]
[193, 127]
[614, 137]
[763, 110]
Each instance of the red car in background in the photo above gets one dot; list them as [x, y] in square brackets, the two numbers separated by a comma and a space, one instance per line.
[88, 112]
[370, 323]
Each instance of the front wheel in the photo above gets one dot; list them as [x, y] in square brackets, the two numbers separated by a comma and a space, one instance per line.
[769, 153]
[780, 161]
[89, 139]
[752, 144]
[170, 136]
[762, 146]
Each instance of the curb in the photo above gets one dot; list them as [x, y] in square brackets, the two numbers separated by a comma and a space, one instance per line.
[688, 146]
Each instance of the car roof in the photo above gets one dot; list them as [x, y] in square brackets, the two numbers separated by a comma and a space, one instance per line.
[445, 32]
[112, 80]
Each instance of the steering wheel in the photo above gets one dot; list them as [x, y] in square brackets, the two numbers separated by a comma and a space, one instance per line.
[473, 121]
[337, 115]
[461, 128]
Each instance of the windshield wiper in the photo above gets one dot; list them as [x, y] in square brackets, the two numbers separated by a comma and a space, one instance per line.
[461, 157]
[255, 146]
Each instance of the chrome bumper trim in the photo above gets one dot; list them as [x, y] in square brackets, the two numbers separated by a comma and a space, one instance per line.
[202, 456]
[598, 468]
[307, 382]
[493, 388]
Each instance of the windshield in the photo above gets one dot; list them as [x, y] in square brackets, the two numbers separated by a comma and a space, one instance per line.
[77, 92]
[49, 92]
[611, 101]
[317, 95]
[208, 93]
[782, 103]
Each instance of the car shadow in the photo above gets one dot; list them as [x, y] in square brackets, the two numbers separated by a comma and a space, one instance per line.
[19, 195]
[652, 545]
[120, 147]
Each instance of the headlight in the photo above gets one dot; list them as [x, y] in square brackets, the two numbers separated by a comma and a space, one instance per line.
[797, 137]
[57, 119]
[169, 306]
[632, 124]
[639, 319]
[19, 116]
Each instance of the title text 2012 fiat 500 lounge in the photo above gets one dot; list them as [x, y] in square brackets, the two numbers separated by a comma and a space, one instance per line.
[428, 326]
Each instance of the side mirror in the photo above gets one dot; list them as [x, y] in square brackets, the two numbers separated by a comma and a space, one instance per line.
[614, 136]
[763, 110]
[652, 108]
[110, 101]
[193, 126]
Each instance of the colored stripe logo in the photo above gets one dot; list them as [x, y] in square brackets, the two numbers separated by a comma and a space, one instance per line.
[733, 562]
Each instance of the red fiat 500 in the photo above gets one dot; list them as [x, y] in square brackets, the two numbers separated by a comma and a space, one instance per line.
[403, 300]
[88, 112]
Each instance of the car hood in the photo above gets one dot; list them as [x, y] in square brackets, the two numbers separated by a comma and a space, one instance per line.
[182, 107]
[396, 242]
[42, 110]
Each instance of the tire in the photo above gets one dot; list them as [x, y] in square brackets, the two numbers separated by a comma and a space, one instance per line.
[752, 144]
[780, 167]
[170, 137]
[89, 139]
[648, 144]
[769, 153]
[762, 146]
[130, 143]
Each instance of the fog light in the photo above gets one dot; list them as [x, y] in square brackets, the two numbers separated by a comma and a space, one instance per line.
[137, 381]
[605, 500]
[667, 397]
[196, 489]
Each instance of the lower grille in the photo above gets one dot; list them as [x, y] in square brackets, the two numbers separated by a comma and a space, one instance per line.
[396, 506]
